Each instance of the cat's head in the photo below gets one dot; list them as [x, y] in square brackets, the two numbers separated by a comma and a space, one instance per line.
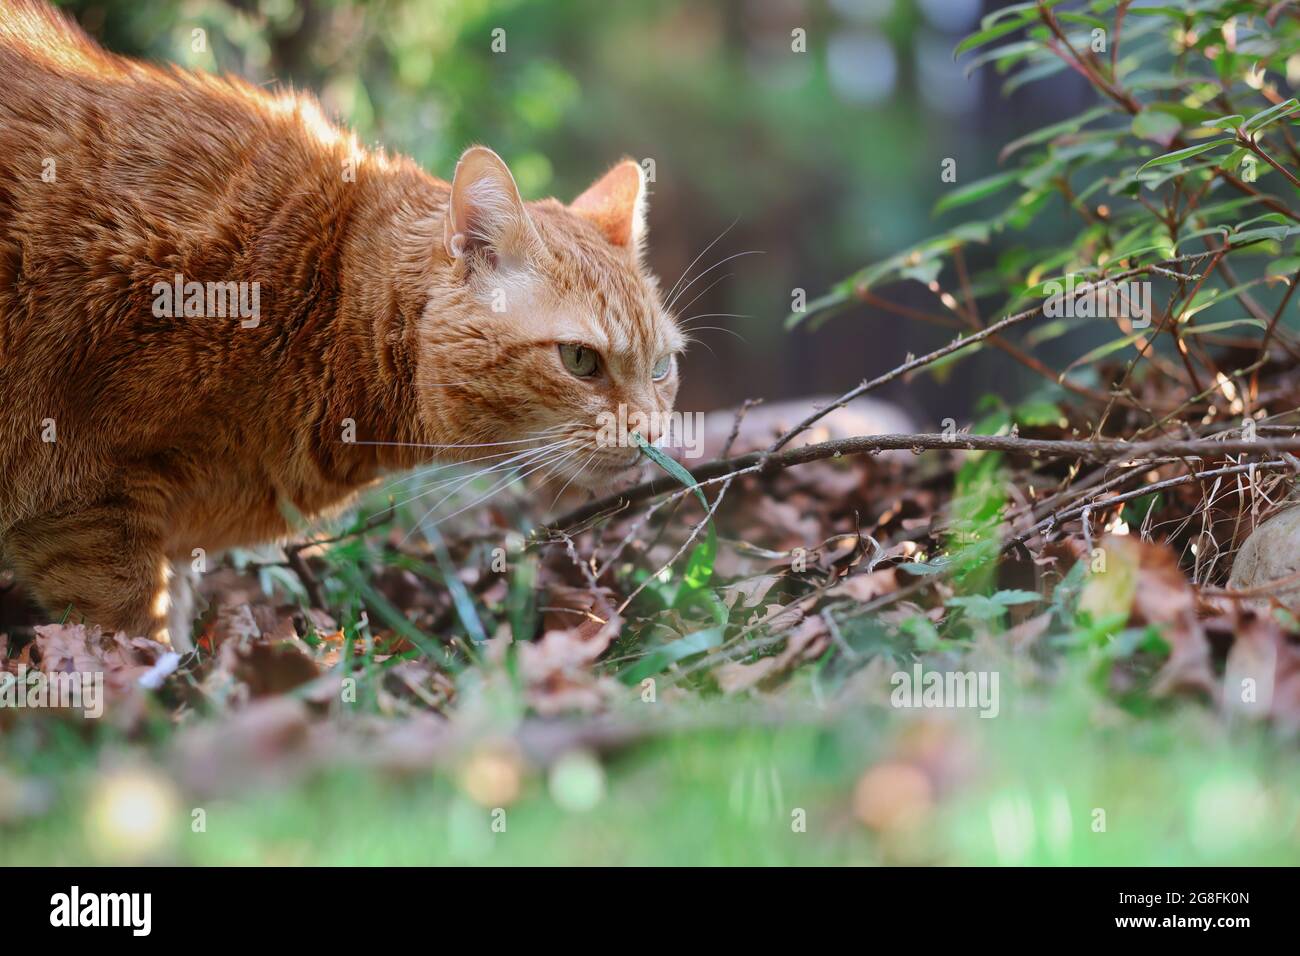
[549, 340]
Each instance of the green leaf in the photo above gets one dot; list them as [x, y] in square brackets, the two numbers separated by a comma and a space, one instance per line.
[1220, 326]
[1053, 131]
[1189, 115]
[1031, 74]
[836, 299]
[1160, 127]
[1036, 412]
[699, 566]
[992, 607]
[392, 616]
[1271, 115]
[1226, 122]
[1026, 10]
[670, 466]
[992, 33]
[1233, 159]
[1102, 351]
[1005, 56]
[671, 653]
[924, 273]
[521, 599]
[974, 192]
[460, 596]
[1178, 155]
[1176, 13]
[1273, 233]
[1084, 20]
[924, 569]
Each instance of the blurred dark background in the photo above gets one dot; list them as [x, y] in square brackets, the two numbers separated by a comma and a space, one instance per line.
[824, 160]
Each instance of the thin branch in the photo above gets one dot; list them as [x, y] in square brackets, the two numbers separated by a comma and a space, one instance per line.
[1058, 518]
[1099, 451]
[957, 345]
[1248, 141]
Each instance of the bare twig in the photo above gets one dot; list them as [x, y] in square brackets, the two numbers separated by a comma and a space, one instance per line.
[912, 364]
[1099, 450]
[1058, 518]
[744, 408]
[293, 554]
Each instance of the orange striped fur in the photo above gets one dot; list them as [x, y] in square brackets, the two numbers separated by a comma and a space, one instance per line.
[421, 312]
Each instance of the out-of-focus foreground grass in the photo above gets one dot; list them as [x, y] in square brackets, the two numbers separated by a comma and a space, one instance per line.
[1061, 781]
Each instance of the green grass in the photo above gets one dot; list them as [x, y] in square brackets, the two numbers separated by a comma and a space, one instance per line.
[1177, 788]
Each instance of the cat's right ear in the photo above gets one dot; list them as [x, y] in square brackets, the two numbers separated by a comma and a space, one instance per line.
[486, 212]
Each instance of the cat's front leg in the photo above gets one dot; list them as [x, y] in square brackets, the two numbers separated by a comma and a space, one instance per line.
[182, 598]
[102, 564]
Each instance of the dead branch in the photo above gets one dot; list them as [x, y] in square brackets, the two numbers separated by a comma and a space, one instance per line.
[767, 462]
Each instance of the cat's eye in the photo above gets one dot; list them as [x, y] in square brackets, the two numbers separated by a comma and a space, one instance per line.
[662, 368]
[580, 360]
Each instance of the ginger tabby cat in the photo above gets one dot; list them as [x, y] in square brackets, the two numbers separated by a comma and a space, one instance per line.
[366, 317]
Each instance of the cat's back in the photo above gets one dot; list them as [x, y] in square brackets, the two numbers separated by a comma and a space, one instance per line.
[114, 175]
[46, 61]
[35, 26]
[131, 137]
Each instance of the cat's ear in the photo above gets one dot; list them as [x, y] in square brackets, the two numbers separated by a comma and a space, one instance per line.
[616, 204]
[486, 211]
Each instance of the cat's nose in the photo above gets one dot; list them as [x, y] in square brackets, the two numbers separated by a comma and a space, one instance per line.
[653, 430]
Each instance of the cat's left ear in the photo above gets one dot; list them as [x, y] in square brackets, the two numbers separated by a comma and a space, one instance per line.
[486, 212]
[616, 203]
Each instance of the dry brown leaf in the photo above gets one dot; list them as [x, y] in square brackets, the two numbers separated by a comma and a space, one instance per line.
[268, 668]
[1261, 677]
[750, 591]
[76, 649]
[557, 667]
[866, 587]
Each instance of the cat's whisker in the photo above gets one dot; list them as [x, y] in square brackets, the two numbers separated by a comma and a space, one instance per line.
[425, 472]
[714, 328]
[695, 341]
[432, 468]
[462, 479]
[516, 461]
[672, 292]
[738, 255]
[705, 291]
[491, 492]
[711, 315]
[411, 444]
[580, 469]
[439, 466]
[495, 490]
[557, 469]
